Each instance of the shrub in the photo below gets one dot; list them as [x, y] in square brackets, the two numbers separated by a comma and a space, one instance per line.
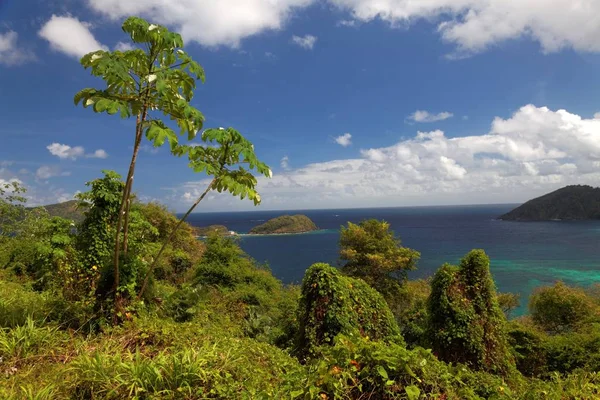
[561, 308]
[333, 304]
[466, 323]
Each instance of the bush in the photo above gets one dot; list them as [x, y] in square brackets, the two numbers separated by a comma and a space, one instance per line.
[333, 304]
[560, 308]
[466, 323]
[410, 310]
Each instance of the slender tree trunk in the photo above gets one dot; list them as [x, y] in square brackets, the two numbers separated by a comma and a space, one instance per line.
[171, 235]
[126, 224]
[123, 210]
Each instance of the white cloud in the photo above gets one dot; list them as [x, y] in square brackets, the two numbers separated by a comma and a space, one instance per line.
[208, 22]
[285, 163]
[344, 140]
[46, 172]
[474, 25]
[10, 52]
[347, 22]
[123, 46]
[535, 151]
[70, 36]
[306, 42]
[64, 151]
[426, 116]
[98, 154]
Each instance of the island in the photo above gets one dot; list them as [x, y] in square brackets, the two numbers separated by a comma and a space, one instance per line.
[575, 202]
[218, 229]
[285, 224]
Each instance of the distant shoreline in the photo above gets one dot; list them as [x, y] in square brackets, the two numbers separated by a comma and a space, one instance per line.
[277, 234]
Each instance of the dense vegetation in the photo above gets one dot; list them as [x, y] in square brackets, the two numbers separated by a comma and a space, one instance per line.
[285, 224]
[576, 202]
[191, 319]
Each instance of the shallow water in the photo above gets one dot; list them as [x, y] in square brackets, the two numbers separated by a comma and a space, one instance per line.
[524, 255]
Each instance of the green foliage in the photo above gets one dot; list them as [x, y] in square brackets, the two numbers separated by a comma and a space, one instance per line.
[560, 308]
[285, 224]
[466, 323]
[333, 304]
[24, 341]
[410, 309]
[529, 348]
[372, 253]
[508, 302]
[97, 231]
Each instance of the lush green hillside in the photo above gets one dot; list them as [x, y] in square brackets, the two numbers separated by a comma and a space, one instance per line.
[207, 230]
[68, 210]
[285, 224]
[577, 202]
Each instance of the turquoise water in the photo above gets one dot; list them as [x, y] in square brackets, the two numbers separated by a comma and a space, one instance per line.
[524, 255]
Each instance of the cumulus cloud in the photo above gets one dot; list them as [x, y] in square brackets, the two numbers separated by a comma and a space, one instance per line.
[64, 151]
[344, 140]
[11, 53]
[532, 152]
[285, 163]
[46, 172]
[474, 25]
[208, 22]
[426, 116]
[70, 36]
[306, 42]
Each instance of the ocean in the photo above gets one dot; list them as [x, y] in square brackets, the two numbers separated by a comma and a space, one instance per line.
[524, 255]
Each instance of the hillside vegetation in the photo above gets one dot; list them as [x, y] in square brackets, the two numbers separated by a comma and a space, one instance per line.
[285, 224]
[72, 209]
[576, 202]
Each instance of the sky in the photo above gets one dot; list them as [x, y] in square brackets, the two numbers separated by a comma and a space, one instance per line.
[352, 103]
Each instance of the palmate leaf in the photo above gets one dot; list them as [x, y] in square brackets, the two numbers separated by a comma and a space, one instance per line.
[158, 133]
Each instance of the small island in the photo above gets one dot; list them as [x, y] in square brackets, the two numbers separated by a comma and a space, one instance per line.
[208, 230]
[575, 202]
[285, 224]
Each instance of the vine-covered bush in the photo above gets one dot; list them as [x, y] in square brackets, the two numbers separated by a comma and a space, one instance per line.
[332, 304]
[466, 322]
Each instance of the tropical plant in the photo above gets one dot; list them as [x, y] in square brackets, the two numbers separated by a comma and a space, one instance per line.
[374, 254]
[160, 76]
[466, 323]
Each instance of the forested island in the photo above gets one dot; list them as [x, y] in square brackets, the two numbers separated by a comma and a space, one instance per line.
[285, 224]
[131, 305]
[575, 202]
[212, 229]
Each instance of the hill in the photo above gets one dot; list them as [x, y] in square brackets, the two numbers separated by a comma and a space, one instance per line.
[67, 210]
[285, 224]
[576, 202]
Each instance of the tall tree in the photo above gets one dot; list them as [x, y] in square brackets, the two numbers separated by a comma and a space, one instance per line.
[373, 253]
[159, 77]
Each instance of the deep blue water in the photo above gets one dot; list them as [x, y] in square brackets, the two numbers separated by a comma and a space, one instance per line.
[523, 255]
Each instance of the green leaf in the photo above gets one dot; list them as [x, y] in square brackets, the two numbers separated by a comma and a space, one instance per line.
[413, 392]
[382, 372]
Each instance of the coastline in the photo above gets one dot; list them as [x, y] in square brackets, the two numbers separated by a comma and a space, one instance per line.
[318, 231]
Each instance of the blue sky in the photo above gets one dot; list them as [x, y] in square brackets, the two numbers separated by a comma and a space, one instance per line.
[353, 103]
